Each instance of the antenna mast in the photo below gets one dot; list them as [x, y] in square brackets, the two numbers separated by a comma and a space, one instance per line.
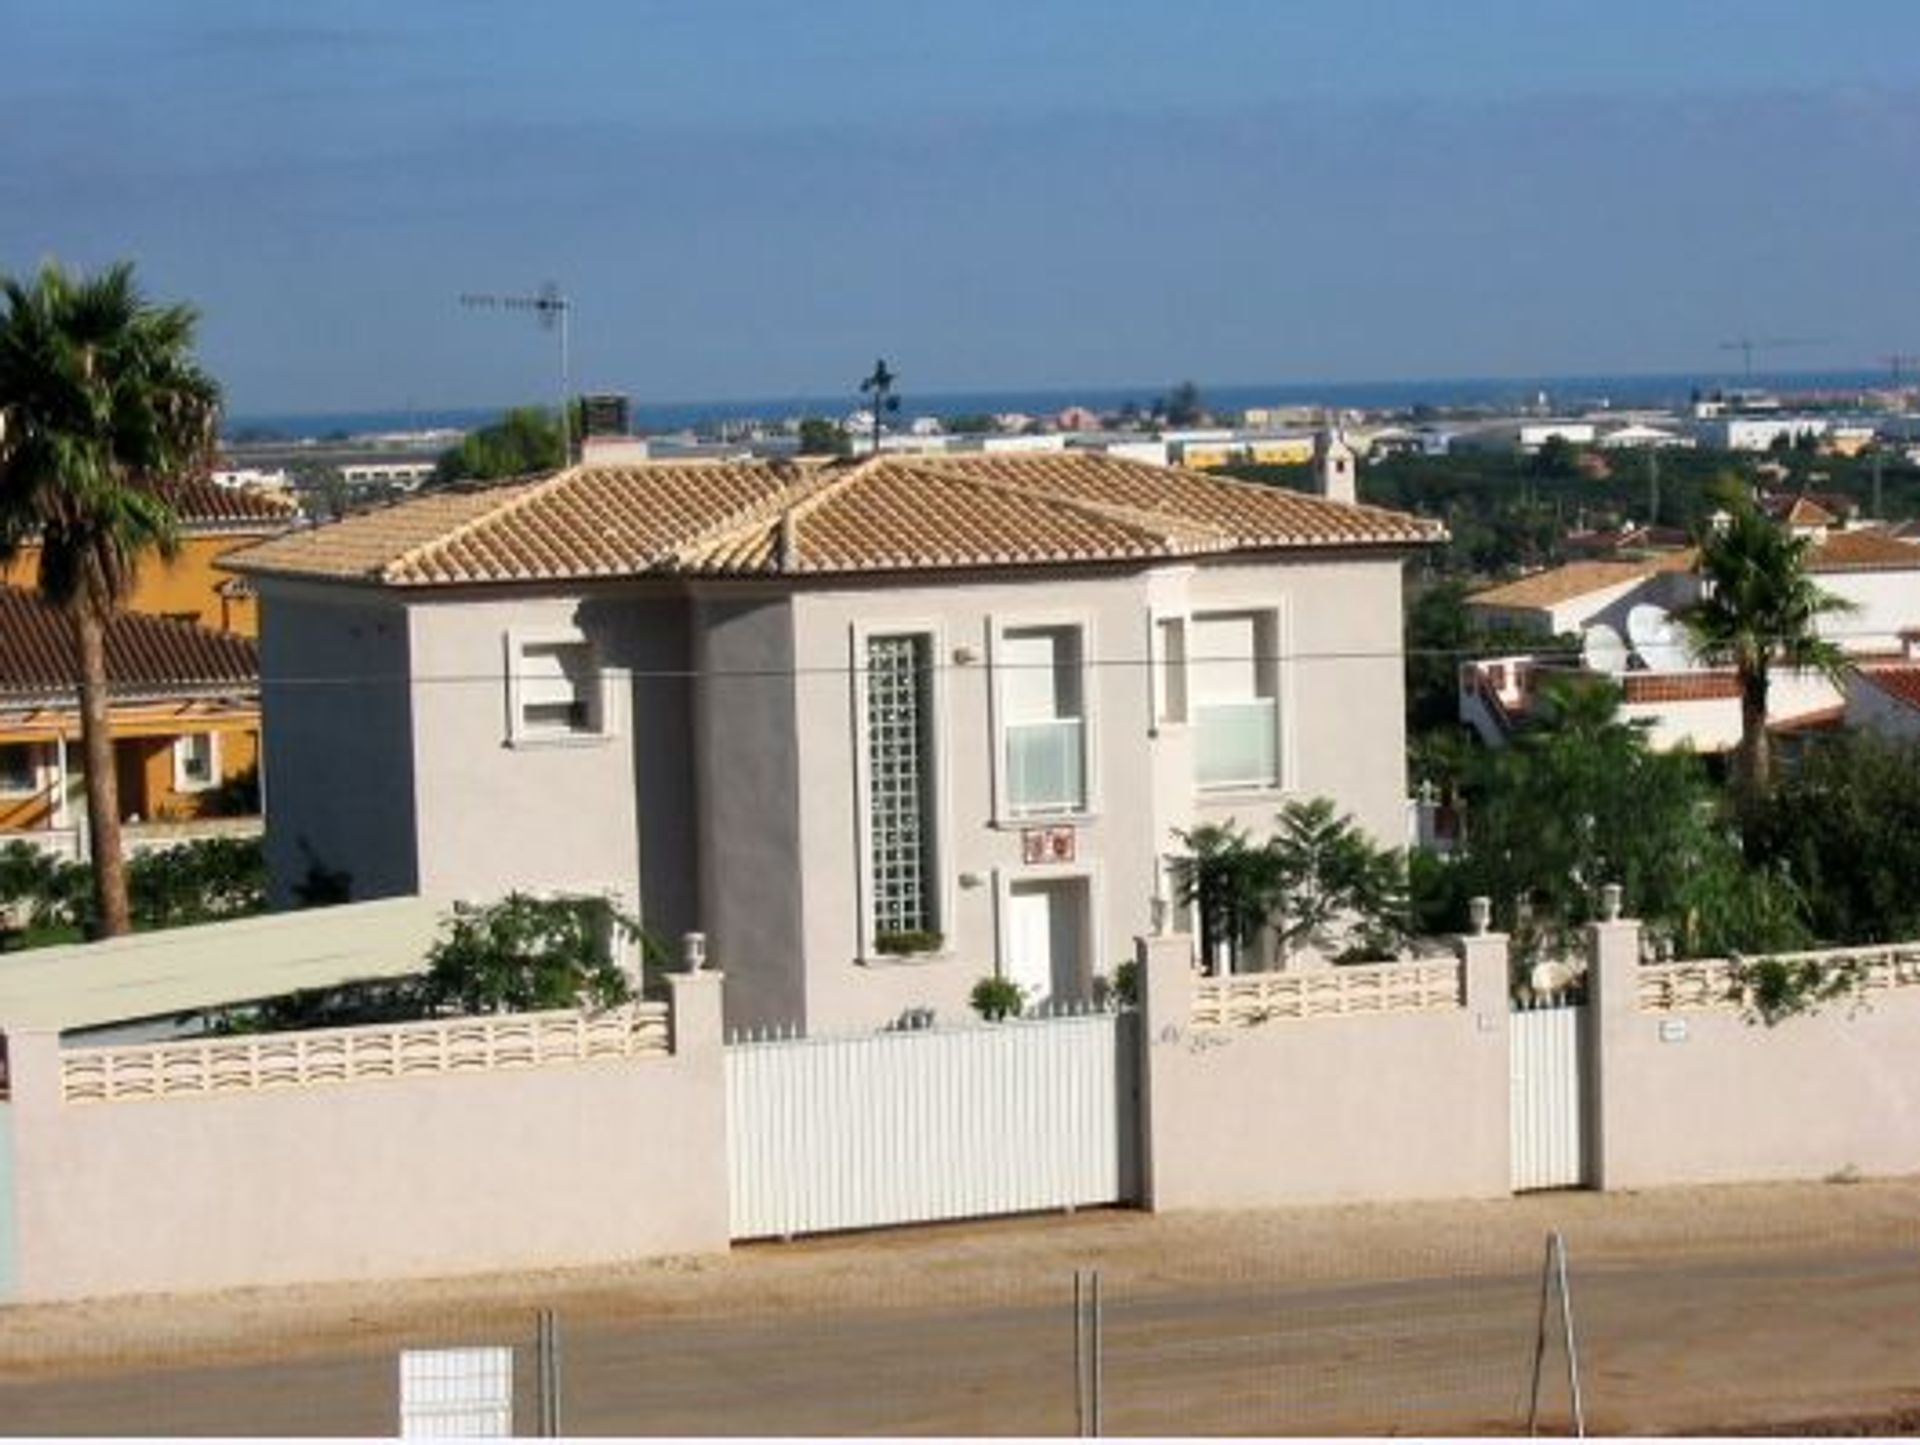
[551, 308]
[880, 384]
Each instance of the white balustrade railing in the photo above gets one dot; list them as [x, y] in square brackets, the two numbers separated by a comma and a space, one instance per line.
[1346, 990]
[1717, 983]
[254, 1062]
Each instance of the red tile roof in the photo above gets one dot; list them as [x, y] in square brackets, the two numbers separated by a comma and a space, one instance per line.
[1678, 686]
[1865, 550]
[147, 656]
[206, 506]
[761, 518]
[1902, 684]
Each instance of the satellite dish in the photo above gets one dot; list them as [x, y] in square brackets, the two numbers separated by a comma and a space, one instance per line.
[1658, 639]
[1602, 650]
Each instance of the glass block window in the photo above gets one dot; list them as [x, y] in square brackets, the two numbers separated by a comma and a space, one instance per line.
[900, 783]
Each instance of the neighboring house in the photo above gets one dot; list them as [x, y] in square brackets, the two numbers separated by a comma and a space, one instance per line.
[184, 707]
[214, 520]
[1885, 698]
[877, 727]
[1873, 569]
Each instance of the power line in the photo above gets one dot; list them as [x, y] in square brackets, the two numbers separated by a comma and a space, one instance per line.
[851, 669]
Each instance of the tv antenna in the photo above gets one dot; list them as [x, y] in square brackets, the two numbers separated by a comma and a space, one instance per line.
[550, 307]
[1747, 345]
[880, 385]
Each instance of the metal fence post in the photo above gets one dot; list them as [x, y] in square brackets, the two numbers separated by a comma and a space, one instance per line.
[547, 1372]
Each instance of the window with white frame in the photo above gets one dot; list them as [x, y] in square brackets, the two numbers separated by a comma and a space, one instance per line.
[19, 769]
[1233, 691]
[196, 762]
[555, 688]
[1043, 720]
[1170, 670]
[901, 842]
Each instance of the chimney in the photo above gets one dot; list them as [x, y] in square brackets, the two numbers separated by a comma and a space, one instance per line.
[1333, 471]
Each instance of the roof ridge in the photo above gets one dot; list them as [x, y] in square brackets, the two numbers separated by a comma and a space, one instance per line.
[816, 482]
[518, 493]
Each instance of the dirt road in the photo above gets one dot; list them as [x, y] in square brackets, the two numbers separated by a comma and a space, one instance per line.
[1696, 1310]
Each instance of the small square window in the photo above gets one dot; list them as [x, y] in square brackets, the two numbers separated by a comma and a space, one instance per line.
[196, 762]
[556, 689]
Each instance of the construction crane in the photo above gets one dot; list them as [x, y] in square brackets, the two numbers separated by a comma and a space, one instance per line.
[551, 308]
[1897, 363]
[1747, 345]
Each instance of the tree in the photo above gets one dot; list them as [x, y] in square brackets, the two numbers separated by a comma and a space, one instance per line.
[1758, 608]
[1228, 882]
[1577, 801]
[526, 439]
[1844, 827]
[100, 400]
[820, 437]
[525, 953]
[1184, 406]
[1316, 882]
[1331, 881]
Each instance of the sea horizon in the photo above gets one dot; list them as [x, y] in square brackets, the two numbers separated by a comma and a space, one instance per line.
[1626, 391]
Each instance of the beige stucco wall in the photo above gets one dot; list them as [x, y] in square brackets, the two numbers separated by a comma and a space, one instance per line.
[1379, 1107]
[727, 796]
[563, 1165]
[336, 724]
[1342, 728]
[496, 813]
[1714, 1098]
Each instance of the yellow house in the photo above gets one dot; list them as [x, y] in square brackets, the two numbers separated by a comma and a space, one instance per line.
[214, 521]
[185, 708]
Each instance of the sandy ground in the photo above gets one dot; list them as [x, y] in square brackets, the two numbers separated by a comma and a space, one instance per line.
[1328, 1259]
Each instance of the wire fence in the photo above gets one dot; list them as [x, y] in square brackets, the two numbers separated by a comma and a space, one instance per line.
[856, 1338]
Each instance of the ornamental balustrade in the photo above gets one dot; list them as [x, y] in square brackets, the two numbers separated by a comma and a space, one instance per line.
[252, 1063]
[1346, 990]
[1720, 983]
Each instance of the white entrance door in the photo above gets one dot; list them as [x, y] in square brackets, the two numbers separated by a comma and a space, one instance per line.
[1046, 926]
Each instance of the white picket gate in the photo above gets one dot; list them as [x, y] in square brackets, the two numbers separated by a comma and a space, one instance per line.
[1548, 1055]
[926, 1124]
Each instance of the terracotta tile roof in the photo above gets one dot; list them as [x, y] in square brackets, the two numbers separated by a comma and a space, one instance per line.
[762, 518]
[1902, 684]
[1678, 686]
[205, 506]
[1864, 550]
[147, 656]
[1807, 509]
[1577, 579]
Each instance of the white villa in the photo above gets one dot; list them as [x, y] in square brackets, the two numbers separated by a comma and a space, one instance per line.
[877, 727]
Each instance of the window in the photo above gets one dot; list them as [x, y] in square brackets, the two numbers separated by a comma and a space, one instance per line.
[196, 762]
[19, 770]
[900, 787]
[1170, 670]
[1043, 720]
[555, 687]
[1232, 681]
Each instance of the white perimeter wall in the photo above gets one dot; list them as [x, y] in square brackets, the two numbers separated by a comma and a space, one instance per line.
[1704, 1096]
[559, 1165]
[1312, 1110]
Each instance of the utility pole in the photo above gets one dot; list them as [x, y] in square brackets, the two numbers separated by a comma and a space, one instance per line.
[551, 308]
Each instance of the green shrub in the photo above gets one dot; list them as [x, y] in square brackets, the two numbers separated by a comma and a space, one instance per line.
[908, 940]
[995, 998]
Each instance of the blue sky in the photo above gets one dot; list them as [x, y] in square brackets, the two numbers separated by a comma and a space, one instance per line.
[755, 197]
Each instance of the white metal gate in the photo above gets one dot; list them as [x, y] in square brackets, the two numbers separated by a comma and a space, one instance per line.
[893, 1128]
[1548, 1092]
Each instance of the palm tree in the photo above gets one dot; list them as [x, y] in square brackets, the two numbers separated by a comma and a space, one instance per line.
[1758, 608]
[100, 400]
